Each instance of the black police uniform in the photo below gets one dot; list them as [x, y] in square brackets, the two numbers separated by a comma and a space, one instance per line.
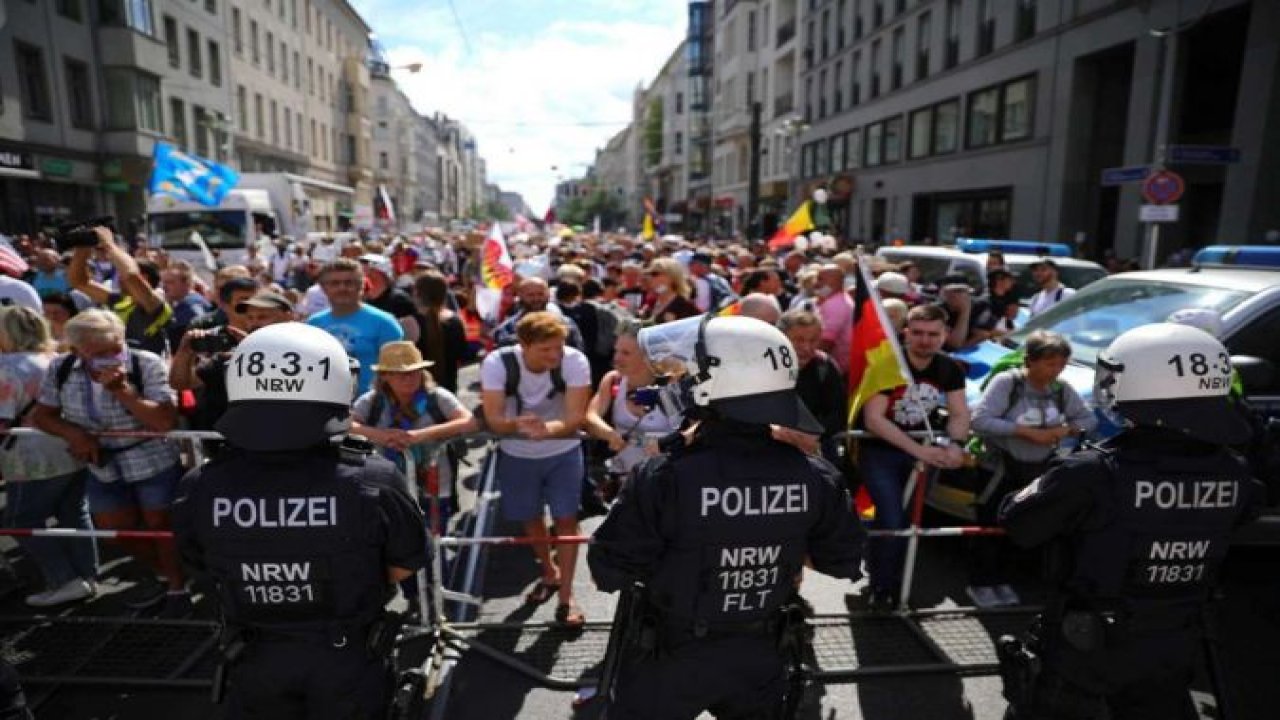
[1143, 524]
[298, 545]
[718, 532]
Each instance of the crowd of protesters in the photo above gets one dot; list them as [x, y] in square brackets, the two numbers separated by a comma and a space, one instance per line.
[123, 337]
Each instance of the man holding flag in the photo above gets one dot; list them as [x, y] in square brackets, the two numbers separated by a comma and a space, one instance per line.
[891, 407]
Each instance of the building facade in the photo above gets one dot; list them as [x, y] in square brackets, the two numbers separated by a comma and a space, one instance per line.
[90, 89]
[944, 118]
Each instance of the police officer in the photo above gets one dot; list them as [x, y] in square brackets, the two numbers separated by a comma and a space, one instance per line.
[302, 537]
[1140, 526]
[718, 529]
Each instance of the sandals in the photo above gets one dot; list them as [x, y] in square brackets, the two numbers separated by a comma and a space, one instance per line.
[569, 615]
[542, 592]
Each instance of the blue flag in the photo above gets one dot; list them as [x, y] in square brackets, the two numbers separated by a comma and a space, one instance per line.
[189, 178]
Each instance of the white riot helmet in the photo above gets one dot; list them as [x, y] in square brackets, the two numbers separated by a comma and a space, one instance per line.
[1171, 376]
[743, 368]
[288, 388]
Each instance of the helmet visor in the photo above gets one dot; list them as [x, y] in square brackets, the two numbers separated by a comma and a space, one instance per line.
[671, 348]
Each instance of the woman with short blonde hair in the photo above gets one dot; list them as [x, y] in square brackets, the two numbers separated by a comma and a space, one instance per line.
[670, 290]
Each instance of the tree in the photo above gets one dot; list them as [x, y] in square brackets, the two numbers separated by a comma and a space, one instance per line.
[492, 210]
[583, 210]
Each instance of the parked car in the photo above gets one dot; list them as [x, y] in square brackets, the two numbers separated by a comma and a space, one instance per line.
[968, 258]
[1247, 297]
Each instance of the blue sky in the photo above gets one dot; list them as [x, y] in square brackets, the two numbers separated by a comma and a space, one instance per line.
[527, 71]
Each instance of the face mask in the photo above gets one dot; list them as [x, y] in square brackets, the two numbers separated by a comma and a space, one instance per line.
[98, 364]
[824, 291]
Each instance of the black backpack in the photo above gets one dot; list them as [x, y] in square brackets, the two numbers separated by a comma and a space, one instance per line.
[511, 385]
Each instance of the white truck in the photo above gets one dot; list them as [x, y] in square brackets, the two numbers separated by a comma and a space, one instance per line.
[261, 206]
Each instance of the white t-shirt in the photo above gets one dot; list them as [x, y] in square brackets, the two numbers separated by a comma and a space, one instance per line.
[313, 301]
[534, 389]
[1046, 299]
[701, 294]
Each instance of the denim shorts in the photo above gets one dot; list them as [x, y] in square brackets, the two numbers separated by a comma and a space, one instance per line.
[153, 493]
[527, 484]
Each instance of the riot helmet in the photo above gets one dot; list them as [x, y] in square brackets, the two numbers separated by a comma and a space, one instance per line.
[742, 368]
[1171, 376]
[289, 387]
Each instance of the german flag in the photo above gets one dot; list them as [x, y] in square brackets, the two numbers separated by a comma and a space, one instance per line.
[800, 222]
[876, 362]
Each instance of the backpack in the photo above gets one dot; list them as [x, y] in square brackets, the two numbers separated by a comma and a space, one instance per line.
[63, 373]
[433, 408]
[609, 318]
[977, 446]
[511, 385]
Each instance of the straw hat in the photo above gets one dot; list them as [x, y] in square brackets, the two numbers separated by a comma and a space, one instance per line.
[400, 356]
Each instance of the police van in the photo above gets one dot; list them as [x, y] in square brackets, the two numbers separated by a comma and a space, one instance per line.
[968, 258]
[1241, 283]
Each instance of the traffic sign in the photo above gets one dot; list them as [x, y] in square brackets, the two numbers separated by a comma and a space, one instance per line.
[1163, 187]
[1203, 154]
[1158, 213]
[1123, 175]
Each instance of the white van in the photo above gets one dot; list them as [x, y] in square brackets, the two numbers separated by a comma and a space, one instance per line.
[196, 233]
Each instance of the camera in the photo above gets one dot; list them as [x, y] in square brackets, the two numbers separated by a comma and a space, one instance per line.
[645, 397]
[216, 342]
[80, 234]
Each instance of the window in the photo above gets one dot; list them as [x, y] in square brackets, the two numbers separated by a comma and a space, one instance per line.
[1015, 110]
[898, 52]
[855, 74]
[193, 53]
[822, 94]
[350, 156]
[840, 16]
[298, 119]
[288, 128]
[986, 27]
[178, 121]
[79, 98]
[200, 130]
[838, 84]
[259, 117]
[1024, 25]
[924, 31]
[133, 14]
[237, 36]
[215, 64]
[679, 143]
[820, 166]
[69, 9]
[893, 140]
[253, 42]
[871, 148]
[852, 149]
[314, 144]
[284, 63]
[837, 153]
[383, 161]
[311, 77]
[275, 123]
[33, 83]
[875, 69]
[857, 20]
[983, 107]
[679, 103]
[211, 6]
[921, 134]
[148, 100]
[242, 108]
[297, 71]
[171, 41]
[946, 127]
[826, 27]
[120, 104]
[877, 13]
[952, 57]
[751, 31]
[271, 53]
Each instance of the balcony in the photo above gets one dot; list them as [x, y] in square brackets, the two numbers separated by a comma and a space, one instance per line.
[786, 32]
[783, 104]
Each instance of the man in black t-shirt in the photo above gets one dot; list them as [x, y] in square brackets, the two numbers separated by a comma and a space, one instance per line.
[887, 460]
[382, 294]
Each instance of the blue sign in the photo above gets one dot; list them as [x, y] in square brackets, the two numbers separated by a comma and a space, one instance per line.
[1203, 154]
[1125, 175]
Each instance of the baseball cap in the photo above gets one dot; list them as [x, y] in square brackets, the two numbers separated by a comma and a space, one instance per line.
[378, 262]
[268, 300]
[892, 282]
